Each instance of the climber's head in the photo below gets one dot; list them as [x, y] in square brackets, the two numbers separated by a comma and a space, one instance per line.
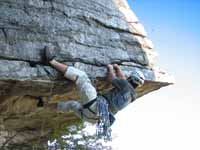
[136, 79]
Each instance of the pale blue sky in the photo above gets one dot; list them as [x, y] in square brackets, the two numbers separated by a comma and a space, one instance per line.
[173, 26]
[168, 118]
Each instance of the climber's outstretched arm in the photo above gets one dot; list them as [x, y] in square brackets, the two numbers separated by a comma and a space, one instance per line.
[119, 72]
[111, 73]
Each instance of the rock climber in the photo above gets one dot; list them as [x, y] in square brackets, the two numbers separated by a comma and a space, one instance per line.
[93, 107]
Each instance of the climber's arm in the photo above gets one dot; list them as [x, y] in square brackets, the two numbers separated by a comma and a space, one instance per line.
[120, 84]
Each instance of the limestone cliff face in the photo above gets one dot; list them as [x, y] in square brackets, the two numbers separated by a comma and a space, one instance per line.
[88, 34]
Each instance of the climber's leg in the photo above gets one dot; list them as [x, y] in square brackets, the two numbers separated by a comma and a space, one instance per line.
[49, 55]
[70, 106]
[58, 66]
[77, 108]
[86, 90]
[119, 72]
[111, 73]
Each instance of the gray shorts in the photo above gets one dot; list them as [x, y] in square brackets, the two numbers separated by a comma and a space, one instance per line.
[85, 89]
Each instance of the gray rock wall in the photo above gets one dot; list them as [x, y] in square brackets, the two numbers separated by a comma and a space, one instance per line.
[89, 32]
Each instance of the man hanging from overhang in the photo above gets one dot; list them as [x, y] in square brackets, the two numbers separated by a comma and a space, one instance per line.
[94, 107]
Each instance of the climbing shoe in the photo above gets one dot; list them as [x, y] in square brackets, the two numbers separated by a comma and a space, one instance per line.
[50, 53]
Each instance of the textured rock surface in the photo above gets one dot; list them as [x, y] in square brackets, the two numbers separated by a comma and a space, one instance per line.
[88, 34]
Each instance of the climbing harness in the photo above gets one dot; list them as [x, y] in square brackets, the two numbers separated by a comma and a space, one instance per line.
[87, 106]
[90, 103]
